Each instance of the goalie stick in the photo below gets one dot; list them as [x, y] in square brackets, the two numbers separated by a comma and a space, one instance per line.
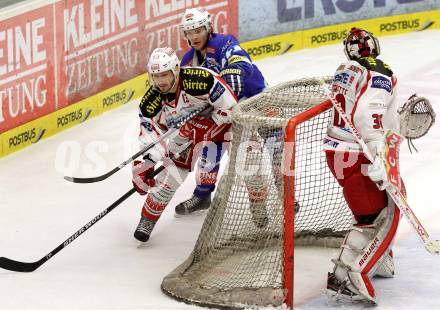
[142, 151]
[18, 266]
[432, 246]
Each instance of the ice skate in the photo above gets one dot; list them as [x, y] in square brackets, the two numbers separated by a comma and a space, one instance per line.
[194, 205]
[143, 230]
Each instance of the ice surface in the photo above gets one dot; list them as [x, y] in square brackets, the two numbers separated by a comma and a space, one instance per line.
[104, 269]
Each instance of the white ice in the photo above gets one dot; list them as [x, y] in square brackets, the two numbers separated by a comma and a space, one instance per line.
[104, 269]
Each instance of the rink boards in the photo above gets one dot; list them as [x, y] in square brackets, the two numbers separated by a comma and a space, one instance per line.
[70, 79]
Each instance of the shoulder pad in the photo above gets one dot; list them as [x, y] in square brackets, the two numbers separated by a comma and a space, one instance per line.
[376, 65]
[187, 58]
[196, 81]
[151, 103]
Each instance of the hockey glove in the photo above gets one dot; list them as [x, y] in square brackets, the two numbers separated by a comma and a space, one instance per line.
[140, 170]
[234, 77]
[200, 128]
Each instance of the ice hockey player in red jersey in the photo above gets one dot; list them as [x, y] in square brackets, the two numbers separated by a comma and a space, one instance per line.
[174, 94]
[365, 87]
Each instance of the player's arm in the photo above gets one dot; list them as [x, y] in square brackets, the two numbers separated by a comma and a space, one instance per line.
[150, 113]
[237, 67]
[373, 104]
[222, 99]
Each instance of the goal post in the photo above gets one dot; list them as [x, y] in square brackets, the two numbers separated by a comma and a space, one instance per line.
[276, 190]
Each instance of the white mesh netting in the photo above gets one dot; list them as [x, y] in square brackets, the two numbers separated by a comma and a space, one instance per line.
[238, 257]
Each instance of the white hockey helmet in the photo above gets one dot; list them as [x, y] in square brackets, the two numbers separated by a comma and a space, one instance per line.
[360, 43]
[162, 60]
[196, 18]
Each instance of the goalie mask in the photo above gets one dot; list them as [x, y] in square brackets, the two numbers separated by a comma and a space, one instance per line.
[162, 60]
[196, 18]
[360, 43]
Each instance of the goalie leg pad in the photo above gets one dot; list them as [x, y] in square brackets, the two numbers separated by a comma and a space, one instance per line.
[386, 269]
[364, 249]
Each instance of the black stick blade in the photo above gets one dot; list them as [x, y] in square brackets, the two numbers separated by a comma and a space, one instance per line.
[91, 179]
[13, 265]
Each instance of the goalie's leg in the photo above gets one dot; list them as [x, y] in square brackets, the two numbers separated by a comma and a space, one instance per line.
[364, 250]
[367, 246]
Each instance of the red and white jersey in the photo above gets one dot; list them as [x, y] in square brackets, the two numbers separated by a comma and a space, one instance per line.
[197, 87]
[366, 89]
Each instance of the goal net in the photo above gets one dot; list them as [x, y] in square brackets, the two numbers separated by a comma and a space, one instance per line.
[276, 190]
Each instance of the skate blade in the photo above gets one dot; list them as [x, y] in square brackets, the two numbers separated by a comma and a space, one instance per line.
[195, 213]
[140, 244]
[337, 299]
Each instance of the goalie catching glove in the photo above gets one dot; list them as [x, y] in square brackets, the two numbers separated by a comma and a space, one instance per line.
[416, 118]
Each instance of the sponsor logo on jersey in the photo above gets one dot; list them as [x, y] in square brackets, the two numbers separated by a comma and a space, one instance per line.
[230, 71]
[194, 85]
[147, 126]
[342, 78]
[216, 93]
[355, 69]
[196, 72]
[237, 58]
[339, 89]
[331, 143]
[381, 82]
[226, 45]
[207, 178]
[151, 103]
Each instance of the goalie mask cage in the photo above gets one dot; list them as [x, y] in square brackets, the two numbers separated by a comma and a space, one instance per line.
[276, 188]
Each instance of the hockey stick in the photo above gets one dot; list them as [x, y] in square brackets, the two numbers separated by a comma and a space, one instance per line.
[14, 265]
[142, 151]
[432, 246]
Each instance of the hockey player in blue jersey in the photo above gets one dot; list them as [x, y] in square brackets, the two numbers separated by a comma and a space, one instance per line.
[223, 54]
